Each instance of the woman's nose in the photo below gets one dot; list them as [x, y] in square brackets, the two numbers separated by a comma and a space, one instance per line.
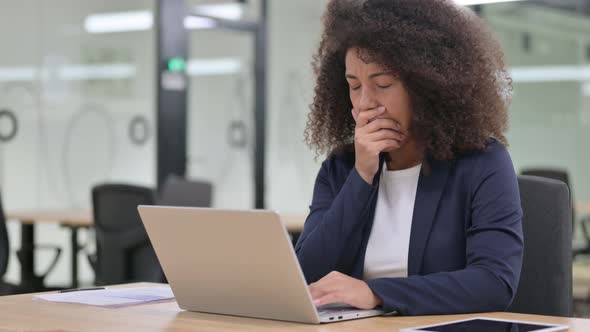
[367, 100]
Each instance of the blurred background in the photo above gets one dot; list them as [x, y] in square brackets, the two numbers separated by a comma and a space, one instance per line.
[89, 94]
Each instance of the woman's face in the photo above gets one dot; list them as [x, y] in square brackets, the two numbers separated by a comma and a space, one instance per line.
[372, 86]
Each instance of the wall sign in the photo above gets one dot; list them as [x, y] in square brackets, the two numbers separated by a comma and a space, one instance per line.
[8, 115]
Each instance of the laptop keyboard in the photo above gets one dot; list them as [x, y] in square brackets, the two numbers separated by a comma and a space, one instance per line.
[332, 312]
[336, 309]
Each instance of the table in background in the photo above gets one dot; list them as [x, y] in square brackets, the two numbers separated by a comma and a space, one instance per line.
[582, 208]
[20, 312]
[293, 221]
[74, 219]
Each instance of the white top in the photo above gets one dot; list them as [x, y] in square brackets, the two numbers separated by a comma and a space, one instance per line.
[389, 242]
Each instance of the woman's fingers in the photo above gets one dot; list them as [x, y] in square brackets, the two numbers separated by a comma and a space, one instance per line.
[329, 298]
[338, 287]
[364, 117]
[383, 134]
[383, 123]
[386, 145]
[374, 134]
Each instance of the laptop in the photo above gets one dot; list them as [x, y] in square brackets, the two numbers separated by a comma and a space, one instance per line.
[239, 263]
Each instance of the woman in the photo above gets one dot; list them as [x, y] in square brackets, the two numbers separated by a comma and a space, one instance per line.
[417, 207]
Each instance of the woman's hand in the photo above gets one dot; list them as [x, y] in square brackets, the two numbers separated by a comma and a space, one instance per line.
[373, 135]
[338, 287]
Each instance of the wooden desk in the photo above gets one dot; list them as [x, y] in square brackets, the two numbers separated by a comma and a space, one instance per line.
[20, 312]
[66, 217]
[581, 280]
[582, 208]
[70, 218]
[294, 221]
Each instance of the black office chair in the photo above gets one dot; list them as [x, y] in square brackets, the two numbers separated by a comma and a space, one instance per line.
[545, 286]
[177, 191]
[551, 173]
[123, 250]
[562, 175]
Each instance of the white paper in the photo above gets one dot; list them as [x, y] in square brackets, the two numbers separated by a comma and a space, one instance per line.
[111, 297]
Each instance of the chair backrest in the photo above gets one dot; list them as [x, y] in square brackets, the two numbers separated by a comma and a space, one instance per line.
[124, 252]
[546, 279]
[180, 192]
[4, 244]
[551, 173]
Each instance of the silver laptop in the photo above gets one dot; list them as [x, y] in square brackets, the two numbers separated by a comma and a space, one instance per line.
[238, 263]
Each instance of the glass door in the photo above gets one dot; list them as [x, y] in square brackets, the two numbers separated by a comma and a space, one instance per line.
[76, 109]
[221, 115]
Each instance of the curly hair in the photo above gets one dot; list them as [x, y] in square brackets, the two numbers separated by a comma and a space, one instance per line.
[448, 60]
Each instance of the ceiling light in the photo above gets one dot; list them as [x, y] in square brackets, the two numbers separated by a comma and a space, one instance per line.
[481, 2]
[118, 22]
[213, 66]
[18, 73]
[228, 11]
[565, 73]
[96, 72]
[195, 22]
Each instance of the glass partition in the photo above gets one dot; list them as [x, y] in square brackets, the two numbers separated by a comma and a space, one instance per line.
[76, 109]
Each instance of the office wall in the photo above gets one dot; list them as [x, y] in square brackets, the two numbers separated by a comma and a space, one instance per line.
[222, 99]
[75, 132]
[548, 51]
[221, 115]
[291, 165]
[74, 95]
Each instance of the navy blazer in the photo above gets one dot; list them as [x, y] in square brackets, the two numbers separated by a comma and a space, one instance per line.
[466, 242]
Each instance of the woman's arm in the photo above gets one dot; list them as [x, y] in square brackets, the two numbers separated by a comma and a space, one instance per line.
[494, 250]
[331, 237]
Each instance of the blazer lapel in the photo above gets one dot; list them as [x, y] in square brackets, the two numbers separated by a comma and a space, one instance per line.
[428, 193]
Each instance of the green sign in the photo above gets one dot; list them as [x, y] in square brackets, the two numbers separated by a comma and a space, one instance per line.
[177, 64]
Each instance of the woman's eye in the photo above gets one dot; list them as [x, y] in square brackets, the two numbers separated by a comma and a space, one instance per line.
[354, 88]
[384, 86]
